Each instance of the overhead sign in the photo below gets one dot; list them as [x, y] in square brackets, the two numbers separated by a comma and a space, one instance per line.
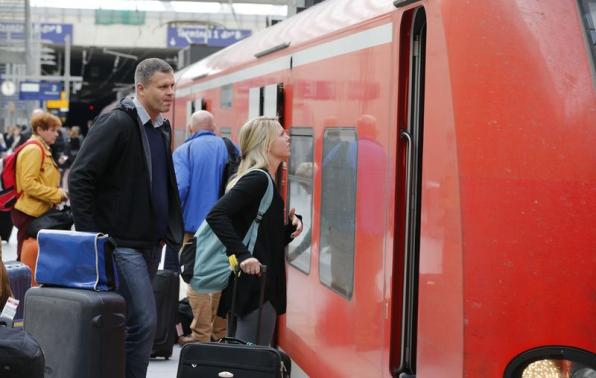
[61, 104]
[182, 36]
[33, 90]
[49, 32]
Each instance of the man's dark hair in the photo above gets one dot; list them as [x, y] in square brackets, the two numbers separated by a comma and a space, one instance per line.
[148, 67]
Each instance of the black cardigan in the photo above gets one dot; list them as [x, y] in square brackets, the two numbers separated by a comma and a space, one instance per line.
[229, 219]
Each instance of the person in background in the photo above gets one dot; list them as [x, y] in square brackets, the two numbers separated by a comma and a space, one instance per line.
[5, 291]
[123, 184]
[199, 165]
[264, 145]
[37, 176]
[75, 141]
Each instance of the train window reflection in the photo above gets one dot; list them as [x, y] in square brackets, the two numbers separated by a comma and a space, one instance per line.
[226, 132]
[338, 208]
[588, 12]
[300, 189]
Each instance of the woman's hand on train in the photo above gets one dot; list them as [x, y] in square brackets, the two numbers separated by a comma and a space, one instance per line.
[63, 195]
[251, 266]
[296, 222]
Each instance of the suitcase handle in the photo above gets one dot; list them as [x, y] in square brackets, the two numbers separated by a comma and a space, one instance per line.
[233, 340]
[232, 323]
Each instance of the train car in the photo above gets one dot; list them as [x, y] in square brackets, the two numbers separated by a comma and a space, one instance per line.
[443, 159]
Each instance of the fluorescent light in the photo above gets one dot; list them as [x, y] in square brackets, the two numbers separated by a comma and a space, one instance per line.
[161, 6]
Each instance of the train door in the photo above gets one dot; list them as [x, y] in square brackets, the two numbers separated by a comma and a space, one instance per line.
[408, 193]
[268, 101]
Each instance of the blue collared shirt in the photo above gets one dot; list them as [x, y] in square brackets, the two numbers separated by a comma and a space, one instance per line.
[159, 167]
[199, 165]
[144, 116]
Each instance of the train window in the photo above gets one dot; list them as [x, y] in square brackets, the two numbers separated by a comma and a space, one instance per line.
[300, 189]
[588, 12]
[225, 96]
[226, 132]
[338, 208]
[553, 362]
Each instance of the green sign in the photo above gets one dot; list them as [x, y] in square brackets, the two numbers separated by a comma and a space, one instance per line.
[124, 17]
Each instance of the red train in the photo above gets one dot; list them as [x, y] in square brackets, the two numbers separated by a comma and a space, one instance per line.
[444, 159]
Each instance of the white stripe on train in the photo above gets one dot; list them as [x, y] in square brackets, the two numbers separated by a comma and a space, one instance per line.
[372, 37]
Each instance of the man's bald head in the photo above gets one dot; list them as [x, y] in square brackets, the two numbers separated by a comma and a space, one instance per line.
[200, 121]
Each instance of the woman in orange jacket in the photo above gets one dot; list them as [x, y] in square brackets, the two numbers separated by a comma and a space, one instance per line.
[37, 175]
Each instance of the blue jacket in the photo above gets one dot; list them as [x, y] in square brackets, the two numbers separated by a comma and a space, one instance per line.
[199, 165]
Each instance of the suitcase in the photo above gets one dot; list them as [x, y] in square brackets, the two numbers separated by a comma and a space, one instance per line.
[80, 331]
[166, 286]
[185, 316]
[29, 252]
[231, 357]
[20, 354]
[19, 277]
[5, 225]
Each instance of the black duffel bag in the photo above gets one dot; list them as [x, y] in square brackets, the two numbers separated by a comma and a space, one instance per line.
[20, 354]
[53, 219]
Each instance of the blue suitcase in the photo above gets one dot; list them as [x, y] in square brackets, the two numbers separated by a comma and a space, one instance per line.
[19, 276]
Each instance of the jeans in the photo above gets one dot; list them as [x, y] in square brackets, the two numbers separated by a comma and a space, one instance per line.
[136, 270]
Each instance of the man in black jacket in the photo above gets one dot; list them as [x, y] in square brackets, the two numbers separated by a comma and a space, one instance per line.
[123, 183]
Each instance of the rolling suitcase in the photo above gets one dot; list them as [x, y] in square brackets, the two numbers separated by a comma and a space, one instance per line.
[231, 357]
[5, 225]
[19, 277]
[29, 252]
[166, 286]
[20, 354]
[80, 331]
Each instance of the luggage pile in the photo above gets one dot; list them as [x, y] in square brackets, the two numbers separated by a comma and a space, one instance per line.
[76, 316]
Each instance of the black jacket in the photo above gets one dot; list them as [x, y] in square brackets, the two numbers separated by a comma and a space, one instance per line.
[229, 219]
[110, 182]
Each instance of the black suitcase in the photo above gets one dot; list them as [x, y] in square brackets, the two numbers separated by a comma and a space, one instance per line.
[20, 354]
[5, 225]
[19, 277]
[80, 331]
[166, 286]
[231, 357]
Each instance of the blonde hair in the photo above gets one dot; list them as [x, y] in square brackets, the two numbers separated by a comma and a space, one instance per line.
[256, 137]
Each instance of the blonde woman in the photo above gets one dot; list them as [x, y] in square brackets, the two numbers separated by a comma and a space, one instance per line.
[37, 175]
[264, 145]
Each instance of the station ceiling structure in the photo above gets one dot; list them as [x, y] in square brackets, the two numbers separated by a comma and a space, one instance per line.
[104, 70]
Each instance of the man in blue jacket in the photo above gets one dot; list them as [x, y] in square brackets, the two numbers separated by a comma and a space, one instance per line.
[199, 165]
[122, 183]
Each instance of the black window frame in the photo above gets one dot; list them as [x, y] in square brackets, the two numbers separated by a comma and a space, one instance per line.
[589, 32]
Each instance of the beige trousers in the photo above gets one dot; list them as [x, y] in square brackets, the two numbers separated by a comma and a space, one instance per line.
[206, 325]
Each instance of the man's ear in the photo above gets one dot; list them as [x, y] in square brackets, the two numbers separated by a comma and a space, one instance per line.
[140, 89]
